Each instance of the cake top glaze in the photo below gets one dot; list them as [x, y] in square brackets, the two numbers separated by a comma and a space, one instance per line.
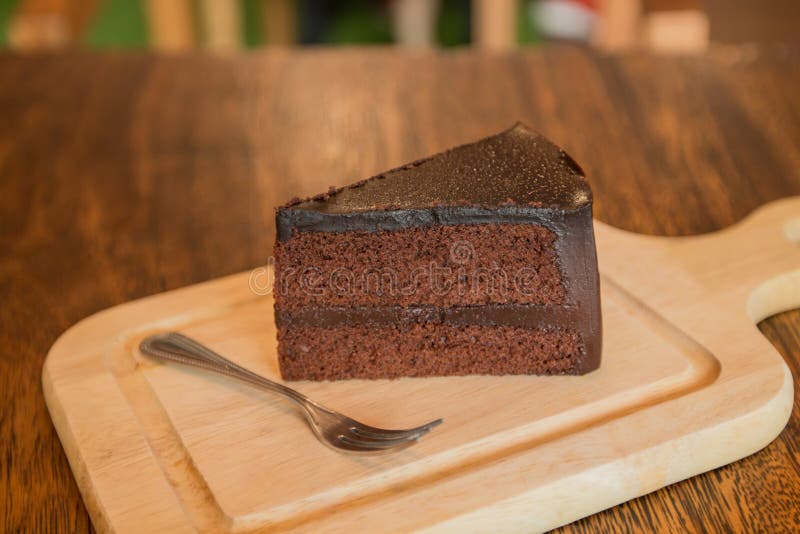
[517, 167]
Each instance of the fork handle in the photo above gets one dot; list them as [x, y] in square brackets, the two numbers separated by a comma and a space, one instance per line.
[177, 348]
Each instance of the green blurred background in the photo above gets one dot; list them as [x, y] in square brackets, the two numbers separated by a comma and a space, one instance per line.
[123, 23]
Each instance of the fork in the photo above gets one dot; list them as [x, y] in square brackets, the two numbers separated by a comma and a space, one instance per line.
[331, 428]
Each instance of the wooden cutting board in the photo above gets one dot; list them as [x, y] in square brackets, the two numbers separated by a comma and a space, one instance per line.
[687, 384]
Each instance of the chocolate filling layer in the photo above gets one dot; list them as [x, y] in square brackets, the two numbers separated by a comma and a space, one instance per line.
[512, 315]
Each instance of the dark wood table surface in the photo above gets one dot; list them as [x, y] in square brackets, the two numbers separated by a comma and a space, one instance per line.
[124, 176]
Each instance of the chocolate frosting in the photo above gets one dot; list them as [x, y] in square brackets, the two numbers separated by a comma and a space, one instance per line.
[515, 175]
[517, 166]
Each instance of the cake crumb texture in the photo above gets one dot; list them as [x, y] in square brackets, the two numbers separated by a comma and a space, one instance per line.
[458, 265]
[425, 349]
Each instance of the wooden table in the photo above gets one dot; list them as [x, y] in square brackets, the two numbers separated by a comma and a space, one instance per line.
[124, 176]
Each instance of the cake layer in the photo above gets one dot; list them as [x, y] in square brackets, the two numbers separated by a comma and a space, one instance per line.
[425, 349]
[458, 265]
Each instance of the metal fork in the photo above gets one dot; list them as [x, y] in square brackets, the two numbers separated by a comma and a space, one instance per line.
[332, 428]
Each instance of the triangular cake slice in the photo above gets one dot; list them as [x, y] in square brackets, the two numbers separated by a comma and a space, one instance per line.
[478, 260]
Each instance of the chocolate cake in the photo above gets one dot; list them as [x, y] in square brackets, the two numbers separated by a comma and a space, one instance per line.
[478, 260]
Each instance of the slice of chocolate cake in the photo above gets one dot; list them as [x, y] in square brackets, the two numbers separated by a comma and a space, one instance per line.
[478, 260]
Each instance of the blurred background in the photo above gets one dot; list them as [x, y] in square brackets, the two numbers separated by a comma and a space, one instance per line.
[158, 162]
[225, 26]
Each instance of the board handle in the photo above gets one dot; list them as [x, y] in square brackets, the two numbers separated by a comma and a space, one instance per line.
[770, 237]
[779, 292]
[755, 262]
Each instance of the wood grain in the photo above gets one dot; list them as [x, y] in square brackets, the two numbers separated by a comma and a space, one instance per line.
[124, 176]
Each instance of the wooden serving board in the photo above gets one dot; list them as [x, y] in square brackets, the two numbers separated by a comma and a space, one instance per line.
[687, 384]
